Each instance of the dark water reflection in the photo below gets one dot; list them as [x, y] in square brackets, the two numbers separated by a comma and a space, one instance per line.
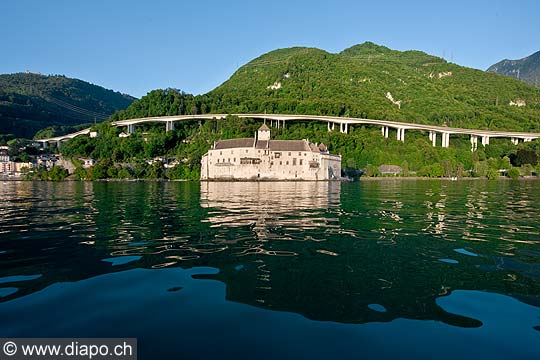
[347, 253]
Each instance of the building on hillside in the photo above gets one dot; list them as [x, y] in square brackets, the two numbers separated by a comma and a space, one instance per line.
[393, 170]
[87, 163]
[4, 154]
[14, 168]
[261, 158]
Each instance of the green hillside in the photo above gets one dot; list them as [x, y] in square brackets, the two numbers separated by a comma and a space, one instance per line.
[358, 82]
[352, 83]
[30, 102]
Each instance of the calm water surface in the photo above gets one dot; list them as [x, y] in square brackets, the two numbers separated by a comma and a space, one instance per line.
[389, 269]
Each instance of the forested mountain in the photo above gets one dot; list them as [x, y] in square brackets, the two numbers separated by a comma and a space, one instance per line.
[365, 80]
[526, 69]
[30, 102]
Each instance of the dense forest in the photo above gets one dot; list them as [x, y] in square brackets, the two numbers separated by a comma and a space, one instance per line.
[31, 102]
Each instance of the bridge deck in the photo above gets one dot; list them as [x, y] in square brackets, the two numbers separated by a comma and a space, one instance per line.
[329, 119]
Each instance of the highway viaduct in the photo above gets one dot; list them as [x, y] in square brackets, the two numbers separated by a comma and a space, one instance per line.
[279, 120]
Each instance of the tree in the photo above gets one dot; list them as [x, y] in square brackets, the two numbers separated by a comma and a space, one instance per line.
[448, 168]
[432, 171]
[372, 171]
[513, 173]
[480, 169]
[492, 174]
[524, 156]
[156, 171]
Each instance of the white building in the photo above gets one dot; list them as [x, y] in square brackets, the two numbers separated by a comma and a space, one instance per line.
[261, 158]
[87, 163]
[14, 168]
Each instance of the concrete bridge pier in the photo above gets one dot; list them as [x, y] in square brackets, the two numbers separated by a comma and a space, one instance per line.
[445, 139]
[45, 144]
[485, 140]
[329, 127]
[131, 128]
[527, 140]
[58, 144]
[433, 138]
[514, 140]
[384, 131]
[344, 128]
[474, 143]
[401, 134]
[169, 126]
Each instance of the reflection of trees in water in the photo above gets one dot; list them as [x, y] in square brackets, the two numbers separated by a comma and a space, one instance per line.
[385, 250]
[324, 250]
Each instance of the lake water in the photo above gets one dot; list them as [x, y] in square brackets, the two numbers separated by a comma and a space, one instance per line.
[382, 269]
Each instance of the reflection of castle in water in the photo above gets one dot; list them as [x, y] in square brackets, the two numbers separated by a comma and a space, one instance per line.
[271, 205]
[326, 250]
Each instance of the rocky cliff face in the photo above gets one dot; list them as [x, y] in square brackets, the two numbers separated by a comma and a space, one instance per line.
[526, 69]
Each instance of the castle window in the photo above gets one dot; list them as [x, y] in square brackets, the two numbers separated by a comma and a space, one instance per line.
[234, 160]
[277, 155]
[221, 153]
[294, 161]
[299, 154]
[289, 153]
[250, 161]
[287, 162]
[281, 163]
[301, 161]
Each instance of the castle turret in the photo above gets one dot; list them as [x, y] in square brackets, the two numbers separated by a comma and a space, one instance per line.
[263, 133]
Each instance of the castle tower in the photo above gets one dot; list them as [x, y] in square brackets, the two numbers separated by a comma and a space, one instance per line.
[263, 133]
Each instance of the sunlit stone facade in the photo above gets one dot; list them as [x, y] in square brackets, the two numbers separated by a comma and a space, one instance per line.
[261, 158]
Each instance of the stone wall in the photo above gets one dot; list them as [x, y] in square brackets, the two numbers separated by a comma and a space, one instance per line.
[261, 164]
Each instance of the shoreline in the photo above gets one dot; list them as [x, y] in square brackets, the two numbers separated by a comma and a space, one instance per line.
[420, 178]
[344, 180]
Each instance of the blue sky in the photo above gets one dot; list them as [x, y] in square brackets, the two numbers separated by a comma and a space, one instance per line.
[136, 46]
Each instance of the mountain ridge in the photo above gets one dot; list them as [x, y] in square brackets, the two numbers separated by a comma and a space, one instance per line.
[526, 69]
[30, 102]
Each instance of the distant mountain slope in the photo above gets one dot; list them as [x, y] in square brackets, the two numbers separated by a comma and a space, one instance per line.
[526, 69]
[366, 80]
[30, 102]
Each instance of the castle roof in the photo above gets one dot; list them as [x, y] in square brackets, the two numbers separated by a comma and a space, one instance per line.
[289, 145]
[234, 143]
[264, 127]
[272, 145]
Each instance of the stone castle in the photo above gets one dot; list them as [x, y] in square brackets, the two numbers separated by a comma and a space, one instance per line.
[261, 158]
